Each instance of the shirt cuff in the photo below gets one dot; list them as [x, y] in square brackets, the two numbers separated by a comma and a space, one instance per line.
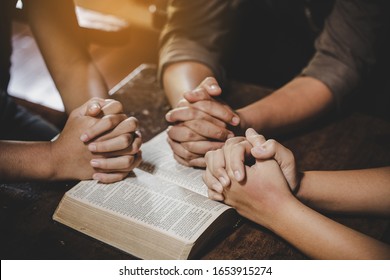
[336, 75]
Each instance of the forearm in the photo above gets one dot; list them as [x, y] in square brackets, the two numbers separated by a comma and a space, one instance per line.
[289, 107]
[79, 83]
[64, 49]
[25, 160]
[352, 191]
[322, 238]
[181, 77]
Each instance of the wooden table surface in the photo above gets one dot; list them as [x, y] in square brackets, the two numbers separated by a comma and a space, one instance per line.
[353, 140]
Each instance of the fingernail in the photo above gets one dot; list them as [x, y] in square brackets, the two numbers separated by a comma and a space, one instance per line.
[250, 131]
[230, 135]
[84, 137]
[214, 87]
[92, 147]
[235, 120]
[168, 116]
[94, 106]
[96, 177]
[237, 175]
[94, 163]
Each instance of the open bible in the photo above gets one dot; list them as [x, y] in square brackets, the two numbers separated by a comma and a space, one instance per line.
[161, 211]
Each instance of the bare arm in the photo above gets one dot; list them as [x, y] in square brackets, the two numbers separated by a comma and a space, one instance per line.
[182, 77]
[265, 197]
[20, 160]
[64, 49]
[322, 238]
[295, 104]
[345, 191]
[350, 191]
[105, 148]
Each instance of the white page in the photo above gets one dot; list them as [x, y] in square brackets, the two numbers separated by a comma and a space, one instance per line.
[156, 203]
[158, 159]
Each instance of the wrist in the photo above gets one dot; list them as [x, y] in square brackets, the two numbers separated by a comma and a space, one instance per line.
[54, 162]
[299, 191]
[299, 177]
[252, 117]
[279, 213]
[46, 167]
[58, 163]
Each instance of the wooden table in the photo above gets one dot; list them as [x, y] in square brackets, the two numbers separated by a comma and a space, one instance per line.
[353, 140]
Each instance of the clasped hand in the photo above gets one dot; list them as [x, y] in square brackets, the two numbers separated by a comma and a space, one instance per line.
[98, 141]
[252, 174]
[200, 123]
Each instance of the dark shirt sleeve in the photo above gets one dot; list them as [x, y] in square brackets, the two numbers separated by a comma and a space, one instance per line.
[195, 31]
[5, 42]
[347, 47]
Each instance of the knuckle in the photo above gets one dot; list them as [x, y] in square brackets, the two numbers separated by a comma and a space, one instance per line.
[187, 155]
[220, 171]
[290, 155]
[189, 146]
[129, 161]
[109, 121]
[226, 115]
[229, 142]
[195, 125]
[192, 114]
[103, 164]
[127, 140]
[272, 144]
[136, 145]
[120, 106]
[182, 102]
[101, 146]
[180, 160]
[95, 99]
[209, 80]
[210, 193]
[133, 123]
[234, 140]
[210, 154]
[222, 134]
[170, 130]
[207, 156]
[189, 134]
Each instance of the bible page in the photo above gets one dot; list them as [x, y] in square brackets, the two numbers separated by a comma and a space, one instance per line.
[153, 202]
[157, 159]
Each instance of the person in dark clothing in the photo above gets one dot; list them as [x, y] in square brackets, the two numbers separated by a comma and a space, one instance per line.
[16, 122]
[315, 53]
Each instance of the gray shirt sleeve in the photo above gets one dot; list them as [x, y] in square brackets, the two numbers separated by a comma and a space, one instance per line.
[346, 49]
[195, 31]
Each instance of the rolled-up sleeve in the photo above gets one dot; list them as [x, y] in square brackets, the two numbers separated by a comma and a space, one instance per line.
[195, 31]
[347, 47]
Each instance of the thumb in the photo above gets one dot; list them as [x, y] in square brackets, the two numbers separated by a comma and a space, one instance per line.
[271, 149]
[94, 107]
[207, 89]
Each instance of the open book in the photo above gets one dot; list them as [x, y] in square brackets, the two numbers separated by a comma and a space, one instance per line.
[161, 211]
